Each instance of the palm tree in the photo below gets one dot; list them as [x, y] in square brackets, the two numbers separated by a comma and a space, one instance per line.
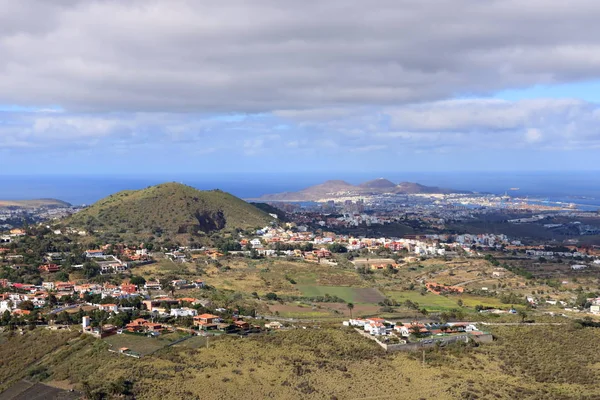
[350, 307]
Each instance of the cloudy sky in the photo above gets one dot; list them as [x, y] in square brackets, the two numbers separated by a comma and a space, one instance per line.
[146, 86]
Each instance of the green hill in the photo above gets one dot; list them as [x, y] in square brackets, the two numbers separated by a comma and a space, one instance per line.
[170, 208]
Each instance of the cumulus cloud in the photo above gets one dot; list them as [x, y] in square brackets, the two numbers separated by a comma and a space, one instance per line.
[266, 55]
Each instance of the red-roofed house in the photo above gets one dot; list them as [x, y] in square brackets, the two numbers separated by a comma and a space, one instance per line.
[206, 321]
[49, 268]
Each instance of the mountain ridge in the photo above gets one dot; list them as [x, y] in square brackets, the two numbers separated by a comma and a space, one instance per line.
[339, 188]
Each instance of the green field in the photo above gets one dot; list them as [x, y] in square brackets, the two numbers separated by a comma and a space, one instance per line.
[432, 302]
[472, 301]
[349, 294]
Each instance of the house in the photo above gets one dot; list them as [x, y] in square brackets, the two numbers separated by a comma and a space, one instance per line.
[207, 321]
[137, 325]
[199, 283]
[94, 253]
[153, 327]
[152, 285]
[49, 268]
[158, 302]
[183, 312]
[274, 325]
[109, 307]
[128, 288]
[243, 325]
[375, 328]
[406, 330]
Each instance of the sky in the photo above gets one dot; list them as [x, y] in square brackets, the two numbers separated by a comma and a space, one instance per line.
[278, 86]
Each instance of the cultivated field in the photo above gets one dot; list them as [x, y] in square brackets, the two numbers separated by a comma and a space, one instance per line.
[349, 294]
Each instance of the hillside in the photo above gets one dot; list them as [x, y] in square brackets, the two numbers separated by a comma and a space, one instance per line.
[34, 203]
[336, 188]
[170, 208]
[326, 363]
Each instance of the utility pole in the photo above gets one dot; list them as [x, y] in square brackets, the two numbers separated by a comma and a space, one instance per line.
[423, 357]
[207, 341]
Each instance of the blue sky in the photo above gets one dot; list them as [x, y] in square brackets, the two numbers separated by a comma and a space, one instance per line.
[148, 87]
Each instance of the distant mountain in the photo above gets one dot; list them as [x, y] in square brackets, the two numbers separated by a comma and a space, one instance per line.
[170, 208]
[379, 184]
[336, 188]
[323, 190]
[34, 203]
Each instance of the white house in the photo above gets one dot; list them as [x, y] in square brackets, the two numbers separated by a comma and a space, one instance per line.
[183, 312]
[357, 322]
[152, 285]
[375, 328]
[109, 307]
[94, 254]
[256, 243]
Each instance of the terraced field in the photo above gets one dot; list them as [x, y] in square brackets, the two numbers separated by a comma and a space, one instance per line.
[349, 294]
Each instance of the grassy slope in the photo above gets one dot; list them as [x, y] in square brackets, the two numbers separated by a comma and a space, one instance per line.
[525, 363]
[169, 206]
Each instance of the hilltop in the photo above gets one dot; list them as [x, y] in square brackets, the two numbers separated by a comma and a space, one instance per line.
[338, 188]
[34, 203]
[170, 208]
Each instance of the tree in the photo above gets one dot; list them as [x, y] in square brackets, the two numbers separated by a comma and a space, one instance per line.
[52, 300]
[271, 296]
[415, 329]
[523, 315]
[90, 269]
[27, 305]
[137, 280]
[337, 248]
[350, 308]
[6, 317]
[459, 302]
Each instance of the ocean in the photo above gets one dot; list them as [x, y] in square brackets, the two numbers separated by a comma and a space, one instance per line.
[581, 188]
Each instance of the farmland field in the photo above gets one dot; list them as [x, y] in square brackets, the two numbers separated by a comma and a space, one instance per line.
[350, 294]
[472, 301]
[432, 302]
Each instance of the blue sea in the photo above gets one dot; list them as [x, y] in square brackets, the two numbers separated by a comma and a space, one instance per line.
[582, 188]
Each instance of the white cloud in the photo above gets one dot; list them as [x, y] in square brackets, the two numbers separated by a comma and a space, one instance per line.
[533, 135]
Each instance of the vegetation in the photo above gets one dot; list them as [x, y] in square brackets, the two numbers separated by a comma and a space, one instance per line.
[170, 209]
[525, 362]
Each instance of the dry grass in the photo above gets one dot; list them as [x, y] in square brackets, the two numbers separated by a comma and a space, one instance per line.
[328, 363]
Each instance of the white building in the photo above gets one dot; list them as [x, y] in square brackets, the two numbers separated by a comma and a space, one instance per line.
[183, 312]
